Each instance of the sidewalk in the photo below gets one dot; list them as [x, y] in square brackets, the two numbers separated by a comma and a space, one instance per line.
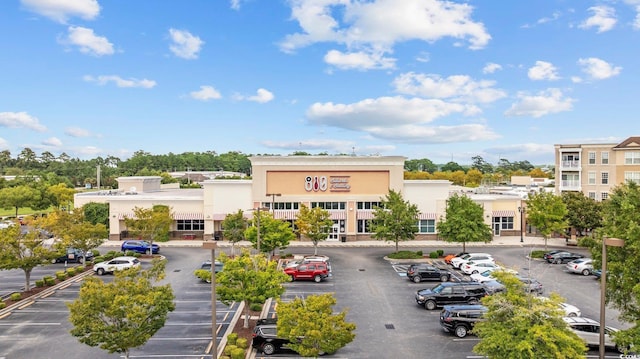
[513, 241]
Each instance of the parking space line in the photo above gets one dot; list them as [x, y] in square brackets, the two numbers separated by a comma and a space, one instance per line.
[26, 304]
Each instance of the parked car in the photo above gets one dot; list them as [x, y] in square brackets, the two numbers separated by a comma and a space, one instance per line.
[73, 255]
[448, 293]
[493, 286]
[316, 271]
[459, 319]
[563, 257]
[265, 338]
[475, 257]
[548, 254]
[568, 309]
[449, 257]
[531, 285]
[420, 272]
[207, 265]
[116, 264]
[589, 330]
[487, 275]
[597, 273]
[139, 247]
[306, 259]
[583, 266]
[473, 267]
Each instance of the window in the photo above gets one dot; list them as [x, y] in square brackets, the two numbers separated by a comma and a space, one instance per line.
[592, 158]
[368, 205]
[632, 176]
[504, 222]
[329, 205]
[605, 177]
[632, 158]
[592, 177]
[592, 195]
[190, 225]
[604, 158]
[281, 205]
[427, 226]
[604, 196]
[364, 225]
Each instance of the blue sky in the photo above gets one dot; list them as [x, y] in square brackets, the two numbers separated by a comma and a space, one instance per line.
[444, 80]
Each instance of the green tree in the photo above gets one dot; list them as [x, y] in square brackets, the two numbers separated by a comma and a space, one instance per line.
[24, 250]
[17, 197]
[422, 165]
[150, 224]
[451, 167]
[474, 178]
[74, 230]
[519, 325]
[315, 224]
[583, 213]
[96, 213]
[395, 219]
[312, 327]
[547, 212]
[481, 165]
[274, 233]
[249, 279]
[62, 195]
[463, 222]
[233, 227]
[122, 314]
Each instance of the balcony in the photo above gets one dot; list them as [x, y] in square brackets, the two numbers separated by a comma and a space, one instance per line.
[569, 164]
[570, 185]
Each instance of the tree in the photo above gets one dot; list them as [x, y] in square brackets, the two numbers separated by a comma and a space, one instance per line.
[311, 325]
[547, 213]
[122, 314]
[463, 222]
[481, 165]
[62, 195]
[583, 213]
[315, 224]
[17, 197]
[233, 227]
[274, 233]
[520, 325]
[75, 231]
[395, 219]
[150, 224]
[96, 213]
[422, 165]
[474, 178]
[451, 167]
[621, 219]
[24, 249]
[249, 279]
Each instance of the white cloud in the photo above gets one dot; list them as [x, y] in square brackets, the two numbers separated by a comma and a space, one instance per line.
[544, 103]
[52, 142]
[311, 144]
[555, 16]
[423, 57]
[77, 132]
[206, 93]
[61, 10]
[4, 145]
[20, 120]
[88, 42]
[603, 18]
[261, 96]
[576, 79]
[235, 4]
[491, 67]
[184, 44]
[119, 81]
[369, 26]
[358, 60]
[524, 150]
[598, 69]
[456, 87]
[543, 70]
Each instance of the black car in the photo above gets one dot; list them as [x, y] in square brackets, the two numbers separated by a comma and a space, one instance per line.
[549, 254]
[420, 272]
[532, 285]
[265, 337]
[451, 293]
[73, 255]
[563, 257]
[459, 319]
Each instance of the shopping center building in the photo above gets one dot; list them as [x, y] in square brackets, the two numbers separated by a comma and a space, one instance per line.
[348, 187]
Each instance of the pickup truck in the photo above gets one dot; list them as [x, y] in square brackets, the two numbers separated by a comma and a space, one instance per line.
[316, 271]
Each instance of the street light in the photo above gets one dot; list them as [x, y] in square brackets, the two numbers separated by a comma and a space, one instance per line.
[214, 325]
[273, 199]
[521, 210]
[257, 210]
[613, 242]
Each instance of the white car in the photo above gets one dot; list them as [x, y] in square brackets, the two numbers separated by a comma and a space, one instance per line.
[473, 268]
[116, 264]
[568, 309]
[487, 276]
[475, 257]
[589, 331]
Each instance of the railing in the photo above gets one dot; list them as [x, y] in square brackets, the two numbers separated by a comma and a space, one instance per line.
[569, 184]
[570, 164]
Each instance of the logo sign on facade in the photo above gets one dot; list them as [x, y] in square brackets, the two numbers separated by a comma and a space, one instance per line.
[322, 184]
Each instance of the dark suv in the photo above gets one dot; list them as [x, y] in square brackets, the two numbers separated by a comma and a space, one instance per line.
[420, 272]
[459, 319]
[265, 337]
[451, 293]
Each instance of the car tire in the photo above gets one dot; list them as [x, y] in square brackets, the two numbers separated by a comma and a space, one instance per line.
[54, 261]
[460, 331]
[586, 272]
[557, 261]
[317, 278]
[148, 251]
[292, 277]
[444, 278]
[268, 348]
[416, 279]
[473, 301]
[474, 272]
[100, 271]
[572, 315]
[430, 305]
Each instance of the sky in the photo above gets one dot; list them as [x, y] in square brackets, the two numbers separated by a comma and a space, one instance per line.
[443, 80]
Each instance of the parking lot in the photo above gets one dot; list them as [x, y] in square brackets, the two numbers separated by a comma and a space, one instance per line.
[379, 299]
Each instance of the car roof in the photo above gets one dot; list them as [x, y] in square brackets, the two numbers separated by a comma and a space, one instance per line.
[464, 307]
[125, 257]
[580, 320]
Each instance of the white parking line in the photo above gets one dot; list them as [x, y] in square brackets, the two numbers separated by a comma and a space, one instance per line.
[28, 324]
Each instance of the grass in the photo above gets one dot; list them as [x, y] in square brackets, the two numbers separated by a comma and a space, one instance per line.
[25, 211]
[405, 255]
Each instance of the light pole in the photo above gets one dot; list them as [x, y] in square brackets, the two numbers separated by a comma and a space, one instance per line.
[214, 325]
[257, 213]
[521, 209]
[613, 242]
[273, 200]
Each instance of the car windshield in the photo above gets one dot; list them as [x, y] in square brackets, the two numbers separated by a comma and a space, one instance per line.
[438, 288]
[466, 256]
[486, 273]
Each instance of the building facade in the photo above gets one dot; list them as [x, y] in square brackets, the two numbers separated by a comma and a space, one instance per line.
[594, 169]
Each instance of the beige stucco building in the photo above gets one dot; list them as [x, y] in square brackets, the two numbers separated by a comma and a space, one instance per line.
[349, 187]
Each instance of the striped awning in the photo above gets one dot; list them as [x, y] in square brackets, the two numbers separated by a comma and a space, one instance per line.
[364, 214]
[427, 216]
[338, 215]
[504, 213]
[121, 216]
[176, 216]
[285, 214]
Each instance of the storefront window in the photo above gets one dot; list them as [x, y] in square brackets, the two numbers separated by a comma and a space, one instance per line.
[190, 225]
[427, 226]
[363, 225]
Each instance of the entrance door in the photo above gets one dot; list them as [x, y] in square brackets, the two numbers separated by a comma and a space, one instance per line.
[333, 235]
[496, 229]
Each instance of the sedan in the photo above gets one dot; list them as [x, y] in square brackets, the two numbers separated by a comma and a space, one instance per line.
[583, 266]
[116, 264]
[549, 254]
[139, 247]
[563, 257]
[474, 268]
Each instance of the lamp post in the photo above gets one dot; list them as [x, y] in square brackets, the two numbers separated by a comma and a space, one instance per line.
[613, 242]
[521, 209]
[257, 210]
[273, 200]
[214, 325]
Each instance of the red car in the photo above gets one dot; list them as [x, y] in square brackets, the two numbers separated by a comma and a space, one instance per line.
[316, 271]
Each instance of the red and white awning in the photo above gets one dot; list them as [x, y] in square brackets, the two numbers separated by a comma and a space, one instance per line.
[122, 216]
[504, 213]
[176, 216]
[364, 214]
[285, 214]
[427, 216]
[338, 215]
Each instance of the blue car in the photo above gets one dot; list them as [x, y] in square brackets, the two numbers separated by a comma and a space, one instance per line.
[139, 247]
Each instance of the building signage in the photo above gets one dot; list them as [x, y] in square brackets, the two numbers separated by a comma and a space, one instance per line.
[322, 184]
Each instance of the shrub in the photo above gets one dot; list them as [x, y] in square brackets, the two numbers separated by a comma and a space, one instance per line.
[242, 343]
[95, 252]
[110, 255]
[2, 304]
[229, 348]
[237, 353]
[40, 283]
[537, 254]
[15, 297]
[231, 338]
[440, 252]
[130, 253]
[404, 255]
[61, 275]
[419, 253]
[98, 259]
[433, 254]
[48, 280]
[256, 307]
[203, 274]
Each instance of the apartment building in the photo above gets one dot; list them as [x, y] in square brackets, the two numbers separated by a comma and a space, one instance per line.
[594, 169]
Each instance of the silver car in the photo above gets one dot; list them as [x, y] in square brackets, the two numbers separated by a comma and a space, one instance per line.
[589, 330]
[583, 266]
